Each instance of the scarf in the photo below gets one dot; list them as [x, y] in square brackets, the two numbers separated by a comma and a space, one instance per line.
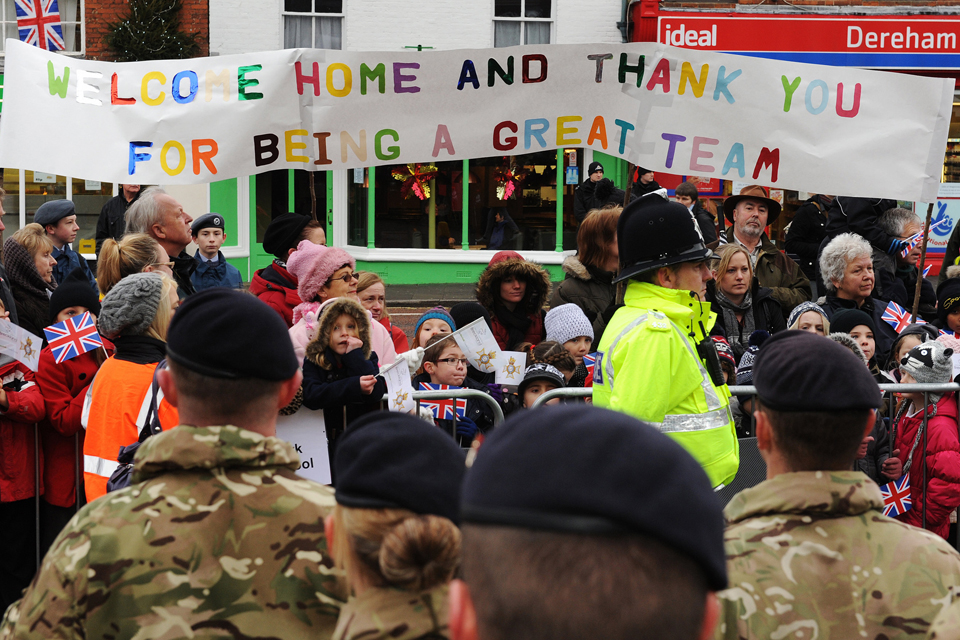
[730, 310]
[515, 321]
[22, 270]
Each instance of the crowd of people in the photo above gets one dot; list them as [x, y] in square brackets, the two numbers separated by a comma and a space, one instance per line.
[455, 526]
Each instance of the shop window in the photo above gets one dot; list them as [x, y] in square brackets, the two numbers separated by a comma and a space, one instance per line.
[522, 22]
[316, 24]
[42, 187]
[274, 195]
[403, 218]
[11, 202]
[357, 184]
[71, 23]
[89, 196]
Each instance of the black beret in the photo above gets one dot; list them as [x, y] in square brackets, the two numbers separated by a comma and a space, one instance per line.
[74, 291]
[948, 299]
[207, 221]
[573, 469]
[801, 371]
[52, 211]
[282, 233]
[388, 460]
[844, 320]
[223, 333]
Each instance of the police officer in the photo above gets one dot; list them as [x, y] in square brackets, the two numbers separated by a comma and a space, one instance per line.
[656, 361]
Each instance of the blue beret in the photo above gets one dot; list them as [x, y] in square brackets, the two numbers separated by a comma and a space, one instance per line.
[259, 341]
[207, 221]
[801, 371]
[574, 469]
[389, 460]
[52, 211]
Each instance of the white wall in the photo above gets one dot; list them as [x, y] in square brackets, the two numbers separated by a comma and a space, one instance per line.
[240, 26]
[585, 21]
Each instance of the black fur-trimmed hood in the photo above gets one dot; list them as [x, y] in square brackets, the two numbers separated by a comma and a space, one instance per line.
[536, 277]
[330, 312]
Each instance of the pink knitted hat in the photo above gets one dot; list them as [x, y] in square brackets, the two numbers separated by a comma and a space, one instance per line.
[313, 264]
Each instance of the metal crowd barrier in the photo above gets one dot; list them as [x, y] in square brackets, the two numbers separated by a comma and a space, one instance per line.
[469, 394]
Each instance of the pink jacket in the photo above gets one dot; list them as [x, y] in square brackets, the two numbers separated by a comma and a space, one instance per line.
[306, 319]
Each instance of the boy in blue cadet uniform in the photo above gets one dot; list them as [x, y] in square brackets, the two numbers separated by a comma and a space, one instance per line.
[212, 268]
[445, 363]
[59, 220]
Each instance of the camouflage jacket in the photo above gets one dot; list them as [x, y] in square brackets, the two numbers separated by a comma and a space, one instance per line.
[217, 538]
[811, 555]
[391, 614]
[946, 626]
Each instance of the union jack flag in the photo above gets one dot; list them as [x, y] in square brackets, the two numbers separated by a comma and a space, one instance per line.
[926, 270]
[896, 497]
[445, 408]
[915, 240]
[73, 336]
[590, 362]
[39, 23]
[898, 317]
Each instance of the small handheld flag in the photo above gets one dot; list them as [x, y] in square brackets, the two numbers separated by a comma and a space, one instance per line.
[444, 408]
[926, 270]
[896, 497]
[590, 362]
[898, 317]
[915, 240]
[73, 336]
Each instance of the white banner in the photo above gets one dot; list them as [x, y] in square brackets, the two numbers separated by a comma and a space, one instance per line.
[305, 430]
[786, 125]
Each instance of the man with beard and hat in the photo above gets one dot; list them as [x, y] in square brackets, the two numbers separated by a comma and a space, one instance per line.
[750, 212]
[656, 361]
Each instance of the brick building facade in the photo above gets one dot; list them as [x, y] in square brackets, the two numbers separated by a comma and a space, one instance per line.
[99, 14]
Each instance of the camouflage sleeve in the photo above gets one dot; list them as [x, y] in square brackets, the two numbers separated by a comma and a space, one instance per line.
[50, 605]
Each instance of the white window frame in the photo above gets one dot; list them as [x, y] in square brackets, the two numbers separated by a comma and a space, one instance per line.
[522, 19]
[5, 20]
[313, 15]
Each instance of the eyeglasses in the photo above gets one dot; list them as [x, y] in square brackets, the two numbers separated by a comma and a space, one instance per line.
[169, 265]
[347, 277]
[454, 361]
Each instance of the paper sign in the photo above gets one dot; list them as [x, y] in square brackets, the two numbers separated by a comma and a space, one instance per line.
[20, 344]
[674, 110]
[92, 185]
[572, 175]
[479, 346]
[44, 178]
[512, 366]
[399, 388]
[306, 432]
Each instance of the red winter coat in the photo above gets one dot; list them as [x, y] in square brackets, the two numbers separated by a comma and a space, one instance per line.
[535, 334]
[399, 338]
[943, 466]
[63, 387]
[17, 451]
[278, 288]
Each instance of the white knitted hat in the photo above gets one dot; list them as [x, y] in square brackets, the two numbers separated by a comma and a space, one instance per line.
[567, 322]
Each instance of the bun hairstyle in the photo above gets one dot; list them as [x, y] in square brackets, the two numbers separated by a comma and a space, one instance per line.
[396, 548]
[549, 352]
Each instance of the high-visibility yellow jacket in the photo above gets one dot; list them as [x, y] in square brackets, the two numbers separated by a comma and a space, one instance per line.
[648, 367]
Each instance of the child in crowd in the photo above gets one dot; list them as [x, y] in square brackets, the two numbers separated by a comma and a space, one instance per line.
[728, 363]
[568, 326]
[445, 363]
[929, 362]
[21, 405]
[64, 387]
[537, 380]
[340, 371]
[948, 301]
[213, 270]
[434, 322]
[552, 353]
[861, 327]
[910, 337]
[808, 316]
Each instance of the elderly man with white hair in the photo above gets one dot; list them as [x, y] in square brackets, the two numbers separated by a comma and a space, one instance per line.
[159, 215]
[846, 265]
[897, 275]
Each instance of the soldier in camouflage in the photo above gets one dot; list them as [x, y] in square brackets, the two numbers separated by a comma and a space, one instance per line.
[217, 537]
[809, 552]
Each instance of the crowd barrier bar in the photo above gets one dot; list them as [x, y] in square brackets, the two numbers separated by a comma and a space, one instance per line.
[469, 394]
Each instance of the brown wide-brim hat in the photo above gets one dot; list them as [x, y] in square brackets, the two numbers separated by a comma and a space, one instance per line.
[753, 192]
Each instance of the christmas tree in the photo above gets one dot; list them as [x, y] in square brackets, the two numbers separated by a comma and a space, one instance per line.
[151, 32]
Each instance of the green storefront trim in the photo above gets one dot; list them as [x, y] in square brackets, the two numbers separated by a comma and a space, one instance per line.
[435, 272]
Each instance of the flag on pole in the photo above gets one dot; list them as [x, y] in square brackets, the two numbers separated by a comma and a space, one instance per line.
[915, 240]
[896, 497]
[19, 343]
[399, 388]
[38, 22]
[898, 317]
[926, 270]
[511, 369]
[73, 336]
[479, 346]
[444, 408]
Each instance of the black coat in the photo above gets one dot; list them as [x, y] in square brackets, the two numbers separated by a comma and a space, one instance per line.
[806, 233]
[639, 189]
[885, 336]
[708, 226]
[951, 254]
[112, 222]
[859, 216]
[900, 285]
[479, 412]
[337, 390]
[595, 195]
[767, 316]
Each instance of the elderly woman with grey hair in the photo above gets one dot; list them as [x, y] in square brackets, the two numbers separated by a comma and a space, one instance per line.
[897, 275]
[846, 266]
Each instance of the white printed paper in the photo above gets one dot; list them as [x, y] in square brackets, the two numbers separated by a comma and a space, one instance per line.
[19, 343]
[511, 368]
[306, 432]
[479, 346]
[399, 387]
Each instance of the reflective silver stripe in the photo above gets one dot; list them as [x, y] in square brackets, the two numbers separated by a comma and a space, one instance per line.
[99, 466]
[685, 422]
[713, 400]
[608, 357]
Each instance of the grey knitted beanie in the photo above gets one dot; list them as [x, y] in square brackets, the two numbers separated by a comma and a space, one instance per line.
[131, 305]
[567, 322]
[929, 362]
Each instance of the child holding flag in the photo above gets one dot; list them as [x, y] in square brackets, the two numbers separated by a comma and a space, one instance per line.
[444, 363]
[64, 387]
[340, 371]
